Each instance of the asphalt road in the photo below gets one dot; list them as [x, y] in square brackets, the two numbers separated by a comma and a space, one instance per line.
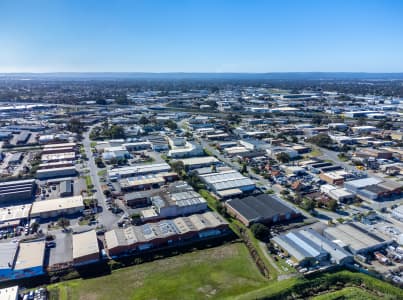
[105, 217]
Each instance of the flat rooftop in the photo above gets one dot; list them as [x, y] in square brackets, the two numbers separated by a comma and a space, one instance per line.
[84, 244]
[44, 206]
[260, 207]
[30, 255]
[16, 212]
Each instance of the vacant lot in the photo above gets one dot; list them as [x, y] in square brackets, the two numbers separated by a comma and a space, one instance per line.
[219, 272]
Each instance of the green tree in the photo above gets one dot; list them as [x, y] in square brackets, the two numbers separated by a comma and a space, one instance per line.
[63, 222]
[332, 205]
[283, 157]
[178, 167]
[75, 125]
[171, 124]
[308, 204]
[116, 132]
[260, 231]
[321, 140]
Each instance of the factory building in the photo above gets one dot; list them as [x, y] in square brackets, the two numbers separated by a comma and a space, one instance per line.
[262, 208]
[136, 239]
[85, 248]
[21, 260]
[199, 162]
[137, 170]
[11, 216]
[356, 238]
[146, 182]
[20, 190]
[56, 207]
[309, 248]
[374, 188]
[166, 205]
[56, 172]
[66, 188]
[338, 194]
[227, 183]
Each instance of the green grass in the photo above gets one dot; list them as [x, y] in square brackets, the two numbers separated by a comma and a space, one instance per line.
[88, 181]
[93, 144]
[216, 273]
[315, 153]
[102, 172]
[348, 293]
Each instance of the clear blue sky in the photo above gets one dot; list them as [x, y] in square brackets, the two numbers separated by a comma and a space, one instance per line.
[201, 36]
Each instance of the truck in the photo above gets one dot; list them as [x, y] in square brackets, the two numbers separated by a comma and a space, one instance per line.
[381, 258]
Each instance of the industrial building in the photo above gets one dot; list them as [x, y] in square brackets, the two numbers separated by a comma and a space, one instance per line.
[168, 205]
[146, 182]
[54, 157]
[262, 208]
[85, 248]
[56, 172]
[374, 188]
[227, 183]
[397, 213]
[29, 260]
[11, 216]
[137, 199]
[335, 193]
[23, 138]
[187, 150]
[56, 207]
[137, 170]
[20, 190]
[136, 239]
[356, 238]
[309, 248]
[199, 162]
[9, 293]
[137, 146]
[66, 188]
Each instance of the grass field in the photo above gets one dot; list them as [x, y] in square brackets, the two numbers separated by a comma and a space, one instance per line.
[352, 293]
[216, 273]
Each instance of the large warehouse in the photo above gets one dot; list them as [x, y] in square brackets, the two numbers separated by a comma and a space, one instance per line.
[85, 248]
[262, 208]
[356, 238]
[227, 181]
[138, 170]
[164, 233]
[19, 190]
[374, 188]
[308, 248]
[56, 172]
[57, 207]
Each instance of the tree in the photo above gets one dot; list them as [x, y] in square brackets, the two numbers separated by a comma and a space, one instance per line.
[116, 132]
[308, 204]
[321, 140]
[332, 205]
[75, 125]
[260, 231]
[143, 120]
[63, 222]
[178, 167]
[283, 157]
[171, 124]
[244, 168]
